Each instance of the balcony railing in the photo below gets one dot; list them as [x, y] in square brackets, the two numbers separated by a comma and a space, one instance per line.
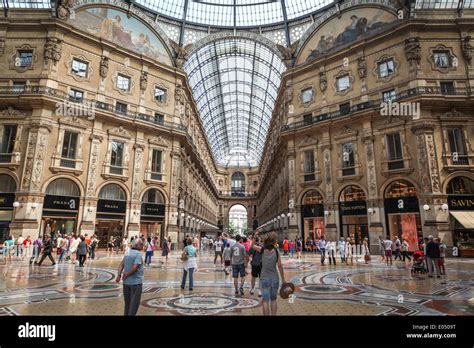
[371, 104]
[67, 163]
[6, 157]
[116, 170]
[53, 92]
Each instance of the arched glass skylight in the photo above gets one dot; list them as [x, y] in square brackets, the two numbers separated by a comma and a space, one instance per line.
[235, 82]
[234, 13]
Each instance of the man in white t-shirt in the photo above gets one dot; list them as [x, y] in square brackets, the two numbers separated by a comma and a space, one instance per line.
[388, 250]
[19, 246]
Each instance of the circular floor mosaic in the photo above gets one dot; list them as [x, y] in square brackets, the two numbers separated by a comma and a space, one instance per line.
[201, 304]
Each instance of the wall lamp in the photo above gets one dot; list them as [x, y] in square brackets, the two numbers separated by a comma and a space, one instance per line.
[444, 208]
[426, 207]
[327, 213]
[371, 211]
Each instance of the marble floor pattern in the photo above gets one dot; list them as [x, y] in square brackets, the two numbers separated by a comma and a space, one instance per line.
[360, 289]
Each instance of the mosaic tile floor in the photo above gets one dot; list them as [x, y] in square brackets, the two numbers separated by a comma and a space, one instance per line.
[360, 289]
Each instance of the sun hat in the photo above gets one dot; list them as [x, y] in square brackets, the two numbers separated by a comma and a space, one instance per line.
[286, 290]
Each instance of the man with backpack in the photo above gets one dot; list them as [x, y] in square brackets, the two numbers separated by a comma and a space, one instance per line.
[238, 264]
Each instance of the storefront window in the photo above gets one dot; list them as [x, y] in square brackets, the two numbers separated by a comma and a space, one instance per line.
[460, 192]
[403, 212]
[353, 214]
[312, 212]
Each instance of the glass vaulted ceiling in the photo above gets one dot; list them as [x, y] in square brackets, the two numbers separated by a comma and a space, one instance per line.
[235, 82]
[234, 13]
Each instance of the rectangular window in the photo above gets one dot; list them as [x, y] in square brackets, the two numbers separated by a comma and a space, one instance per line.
[116, 158]
[343, 83]
[79, 67]
[345, 108]
[156, 161]
[121, 108]
[309, 165]
[24, 58]
[386, 68]
[308, 119]
[76, 96]
[441, 59]
[306, 95]
[123, 82]
[160, 119]
[8, 139]
[348, 164]
[160, 95]
[394, 151]
[389, 96]
[69, 145]
[8, 143]
[457, 145]
[19, 87]
[447, 87]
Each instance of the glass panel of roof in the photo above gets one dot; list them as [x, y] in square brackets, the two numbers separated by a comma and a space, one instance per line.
[172, 8]
[298, 8]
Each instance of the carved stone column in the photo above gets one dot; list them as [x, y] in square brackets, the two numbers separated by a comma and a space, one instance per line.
[173, 230]
[27, 217]
[90, 202]
[135, 208]
[330, 206]
[434, 221]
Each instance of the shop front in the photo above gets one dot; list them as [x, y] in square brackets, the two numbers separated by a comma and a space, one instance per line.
[110, 218]
[460, 192]
[153, 215]
[312, 216]
[60, 209]
[353, 214]
[7, 197]
[402, 213]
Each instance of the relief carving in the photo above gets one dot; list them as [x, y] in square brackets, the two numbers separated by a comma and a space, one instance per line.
[136, 174]
[362, 67]
[413, 51]
[323, 81]
[423, 163]
[52, 50]
[143, 80]
[467, 49]
[30, 154]
[104, 67]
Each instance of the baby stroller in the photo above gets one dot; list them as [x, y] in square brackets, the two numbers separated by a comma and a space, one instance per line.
[418, 262]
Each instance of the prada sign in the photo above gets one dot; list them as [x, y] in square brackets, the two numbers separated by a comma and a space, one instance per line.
[153, 209]
[109, 206]
[312, 210]
[401, 205]
[6, 200]
[353, 208]
[461, 202]
[61, 203]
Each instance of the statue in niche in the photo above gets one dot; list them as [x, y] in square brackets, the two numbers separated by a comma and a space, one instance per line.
[143, 80]
[362, 67]
[467, 49]
[104, 67]
[52, 50]
[323, 82]
[413, 51]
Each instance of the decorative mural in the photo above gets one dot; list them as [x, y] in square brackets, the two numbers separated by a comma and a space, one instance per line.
[351, 26]
[130, 33]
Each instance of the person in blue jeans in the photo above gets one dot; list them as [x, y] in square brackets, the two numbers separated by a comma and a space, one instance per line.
[149, 251]
[322, 249]
[269, 282]
[189, 265]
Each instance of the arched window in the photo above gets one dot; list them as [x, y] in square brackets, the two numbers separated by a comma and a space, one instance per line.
[112, 192]
[400, 188]
[352, 193]
[63, 187]
[312, 197]
[460, 185]
[7, 184]
[153, 196]
[238, 184]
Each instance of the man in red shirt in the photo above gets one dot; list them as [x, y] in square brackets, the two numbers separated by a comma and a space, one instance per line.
[87, 239]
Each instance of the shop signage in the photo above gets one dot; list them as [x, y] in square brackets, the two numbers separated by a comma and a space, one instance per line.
[312, 210]
[353, 208]
[401, 205]
[6, 200]
[109, 206]
[61, 202]
[153, 209]
[461, 202]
